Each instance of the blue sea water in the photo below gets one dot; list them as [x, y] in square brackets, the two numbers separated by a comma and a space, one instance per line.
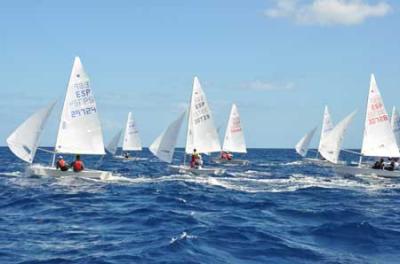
[278, 209]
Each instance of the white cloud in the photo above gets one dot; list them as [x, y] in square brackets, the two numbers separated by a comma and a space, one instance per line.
[328, 12]
[269, 86]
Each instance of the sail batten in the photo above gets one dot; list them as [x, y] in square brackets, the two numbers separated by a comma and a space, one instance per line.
[202, 134]
[163, 146]
[379, 139]
[234, 137]
[79, 130]
[24, 141]
[302, 146]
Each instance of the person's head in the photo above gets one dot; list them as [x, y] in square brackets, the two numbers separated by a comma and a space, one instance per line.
[194, 150]
[381, 160]
[60, 157]
[78, 157]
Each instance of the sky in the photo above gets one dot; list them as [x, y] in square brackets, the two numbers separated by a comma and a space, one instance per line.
[280, 61]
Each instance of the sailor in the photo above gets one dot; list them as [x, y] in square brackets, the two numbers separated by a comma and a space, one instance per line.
[196, 160]
[126, 155]
[226, 155]
[77, 165]
[61, 164]
[378, 164]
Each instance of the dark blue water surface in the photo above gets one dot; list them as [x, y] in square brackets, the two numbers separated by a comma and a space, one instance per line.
[276, 210]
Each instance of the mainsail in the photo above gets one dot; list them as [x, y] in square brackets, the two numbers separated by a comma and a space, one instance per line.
[201, 134]
[131, 138]
[234, 137]
[23, 142]
[302, 145]
[113, 145]
[331, 145]
[164, 145]
[80, 129]
[326, 126]
[395, 122]
[379, 139]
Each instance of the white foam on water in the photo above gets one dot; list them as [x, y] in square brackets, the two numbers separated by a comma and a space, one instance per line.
[182, 236]
[12, 173]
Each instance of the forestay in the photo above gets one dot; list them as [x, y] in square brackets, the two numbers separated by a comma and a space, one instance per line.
[234, 137]
[164, 145]
[201, 134]
[80, 129]
[302, 145]
[326, 126]
[379, 139]
[395, 122]
[131, 138]
[23, 142]
[332, 142]
[113, 145]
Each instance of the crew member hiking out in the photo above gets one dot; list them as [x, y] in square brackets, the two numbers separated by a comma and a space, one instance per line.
[77, 165]
[61, 164]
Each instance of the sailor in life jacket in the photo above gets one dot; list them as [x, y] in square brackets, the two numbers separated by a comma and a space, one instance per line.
[77, 165]
[61, 164]
[226, 155]
[196, 160]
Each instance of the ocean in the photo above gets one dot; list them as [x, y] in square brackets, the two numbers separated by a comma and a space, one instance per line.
[277, 209]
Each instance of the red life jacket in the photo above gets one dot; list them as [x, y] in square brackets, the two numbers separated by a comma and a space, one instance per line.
[61, 163]
[78, 165]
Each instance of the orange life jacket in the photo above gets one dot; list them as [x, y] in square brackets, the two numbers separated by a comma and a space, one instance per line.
[78, 165]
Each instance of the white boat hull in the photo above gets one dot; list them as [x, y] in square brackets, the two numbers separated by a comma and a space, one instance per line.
[196, 171]
[41, 170]
[231, 162]
[364, 170]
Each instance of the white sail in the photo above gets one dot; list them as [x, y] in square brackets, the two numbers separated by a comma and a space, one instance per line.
[234, 137]
[302, 145]
[131, 138]
[395, 122]
[164, 145]
[331, 144]
[24, 141]
[326, 126]
[80, 130]
[201, 134]
[379, 139]
[113, 145]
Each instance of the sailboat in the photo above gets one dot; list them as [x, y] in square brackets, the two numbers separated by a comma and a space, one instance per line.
[131, 141]
[395, 122]
[234, 138]
[201, 133]
[79, 129]
[379, 139]
[303, 144]
[163, 146]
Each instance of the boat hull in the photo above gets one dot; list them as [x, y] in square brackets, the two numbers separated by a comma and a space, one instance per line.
[196, 171]
[364, 170]
[231, 162]
[41, 170]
